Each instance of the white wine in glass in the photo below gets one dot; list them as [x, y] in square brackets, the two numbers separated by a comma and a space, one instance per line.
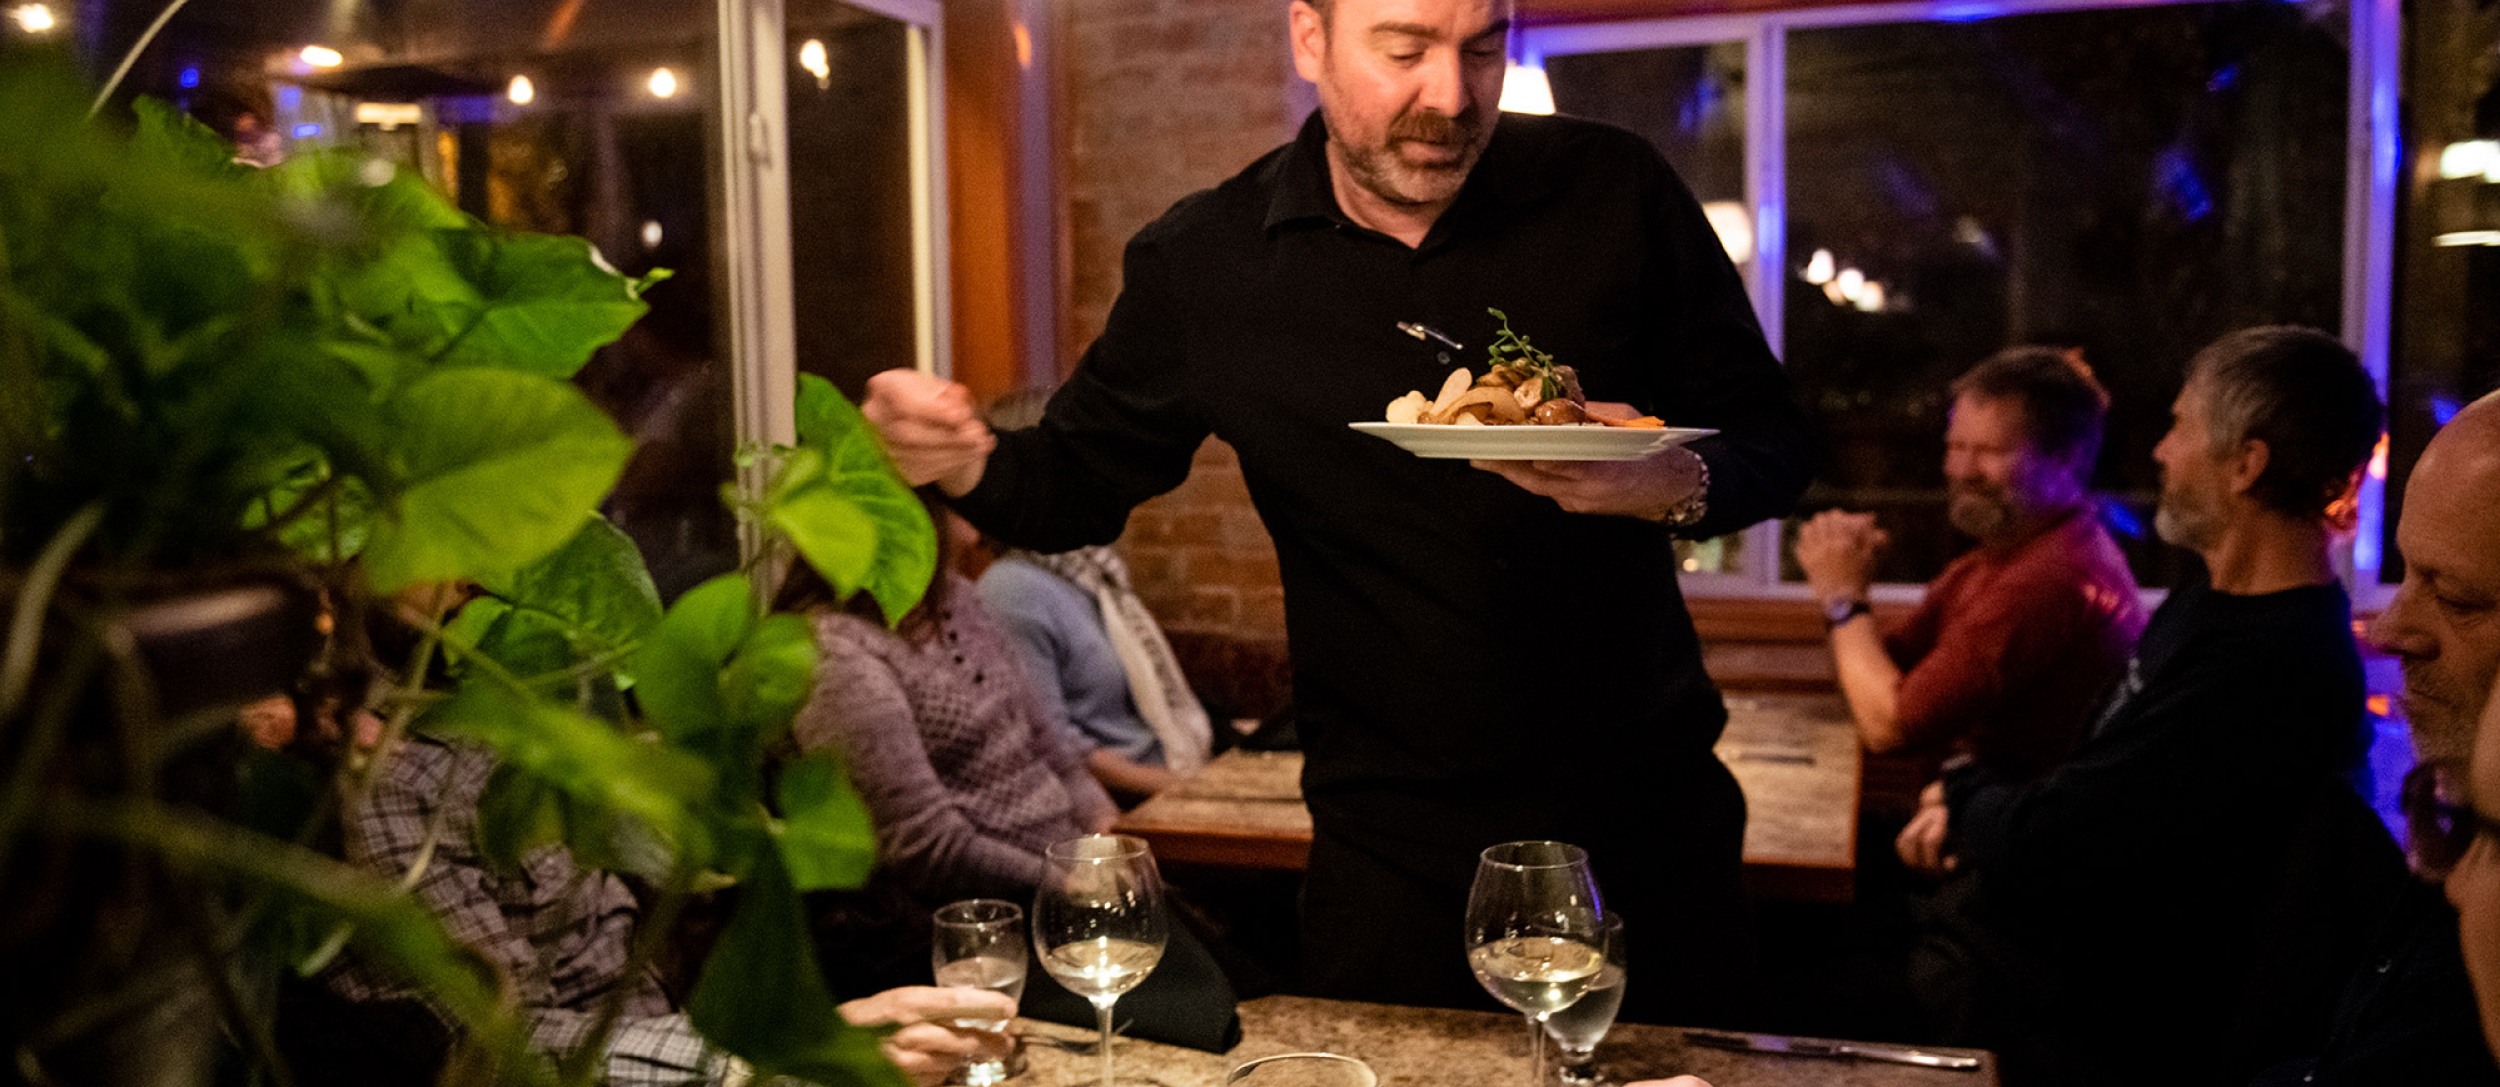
[1099, 917]
[1533, 938]
[1578, 1028]
[979, 944]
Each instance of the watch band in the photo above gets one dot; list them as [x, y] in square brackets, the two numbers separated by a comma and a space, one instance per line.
[1837, 612]
[1696, 505]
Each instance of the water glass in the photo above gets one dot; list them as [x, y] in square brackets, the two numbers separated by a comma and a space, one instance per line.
[978, 943]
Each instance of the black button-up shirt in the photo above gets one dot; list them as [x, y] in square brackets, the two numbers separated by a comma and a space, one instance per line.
[1471, 664]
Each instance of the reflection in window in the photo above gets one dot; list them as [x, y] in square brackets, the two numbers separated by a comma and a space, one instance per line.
[851, 191]
[542, 115]
[1690, 102]
[2447, 327]
[2131, 182]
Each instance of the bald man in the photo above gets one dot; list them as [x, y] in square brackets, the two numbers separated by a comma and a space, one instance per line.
[2409, 1016]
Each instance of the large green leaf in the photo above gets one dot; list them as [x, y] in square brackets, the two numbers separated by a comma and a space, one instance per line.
[595, 589]
[502, 468]
[825, 835]
[846, 511]
[677, 671]
[762, 997]
[771, 676]
[599, 772]
[544, 302]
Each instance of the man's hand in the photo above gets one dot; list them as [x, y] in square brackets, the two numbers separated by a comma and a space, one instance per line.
[1647, 488]
[930, 1048]
[1837, 552]
[930, 429]
[1921, 844]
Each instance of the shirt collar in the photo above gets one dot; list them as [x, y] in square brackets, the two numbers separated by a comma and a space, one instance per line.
[1302, 189]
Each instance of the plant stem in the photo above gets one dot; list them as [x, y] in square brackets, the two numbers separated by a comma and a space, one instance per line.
[132, 57]
[34, 599]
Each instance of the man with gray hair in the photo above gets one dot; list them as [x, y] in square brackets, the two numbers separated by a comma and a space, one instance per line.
[2202, 861]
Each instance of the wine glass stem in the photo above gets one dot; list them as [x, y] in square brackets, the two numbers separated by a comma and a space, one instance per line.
[1536, 1052]
[1104, 1011]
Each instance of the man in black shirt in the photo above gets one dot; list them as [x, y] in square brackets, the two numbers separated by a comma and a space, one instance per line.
[2194, 883]
[1479, 656]
[2408, 1015]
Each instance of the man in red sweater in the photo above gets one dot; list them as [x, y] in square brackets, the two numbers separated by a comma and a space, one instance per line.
[2015, 641]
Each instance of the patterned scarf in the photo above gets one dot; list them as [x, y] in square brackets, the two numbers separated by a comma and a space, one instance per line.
[1155, 682]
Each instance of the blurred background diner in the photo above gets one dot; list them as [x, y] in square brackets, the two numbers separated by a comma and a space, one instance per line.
[1987, 242]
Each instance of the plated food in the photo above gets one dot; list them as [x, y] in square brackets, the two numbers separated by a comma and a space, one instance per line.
[1523, 387]
[1525, 407]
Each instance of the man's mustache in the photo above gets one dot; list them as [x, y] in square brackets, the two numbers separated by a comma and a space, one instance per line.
[1430, 127]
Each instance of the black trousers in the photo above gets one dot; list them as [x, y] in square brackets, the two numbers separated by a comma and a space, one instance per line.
[1387, 924]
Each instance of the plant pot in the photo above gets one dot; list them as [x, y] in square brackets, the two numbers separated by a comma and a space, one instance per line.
[102, 940]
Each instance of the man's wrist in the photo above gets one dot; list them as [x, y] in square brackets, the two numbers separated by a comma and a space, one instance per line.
[1843, 609]
[1690, 509]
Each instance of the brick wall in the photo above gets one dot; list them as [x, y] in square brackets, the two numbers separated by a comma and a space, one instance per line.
[1161, 98]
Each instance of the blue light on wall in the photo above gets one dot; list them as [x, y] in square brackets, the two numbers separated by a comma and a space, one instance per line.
[189, 79]
[2444, 408]
[290, 97]
[307, 131]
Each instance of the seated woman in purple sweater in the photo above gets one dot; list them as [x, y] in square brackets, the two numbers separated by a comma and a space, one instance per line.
[965, 775]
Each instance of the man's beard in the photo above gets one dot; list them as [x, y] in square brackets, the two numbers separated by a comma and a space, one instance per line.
[1982, 513]
[2186, 519]
[2442, 725]
[1381, 172]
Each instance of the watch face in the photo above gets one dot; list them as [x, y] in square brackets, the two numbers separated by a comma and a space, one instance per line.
[1837, 612]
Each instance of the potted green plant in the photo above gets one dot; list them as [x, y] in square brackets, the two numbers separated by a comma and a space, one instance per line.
[237, 401]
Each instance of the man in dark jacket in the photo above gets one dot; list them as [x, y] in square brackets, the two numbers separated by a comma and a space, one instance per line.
[2193, 877]
[2408, 1016]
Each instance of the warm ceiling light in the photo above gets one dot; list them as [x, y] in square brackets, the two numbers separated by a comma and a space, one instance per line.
[521, 91]
[321, 56]
[1820, 268]
[651, 234]
[663, 83]
[1525, 90]
[33, 18]
[1734, 227]
[812, 58]
[2470, 158]
[1024, 47]
[1851, 282]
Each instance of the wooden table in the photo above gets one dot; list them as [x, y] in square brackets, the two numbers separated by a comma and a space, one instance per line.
[1414, 1047]
[1795, 755]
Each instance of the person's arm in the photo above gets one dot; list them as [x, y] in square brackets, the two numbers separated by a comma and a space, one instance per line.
[1837, 552]
[859, 708]
[1129, 781]
[1121, 430]
[423, 810]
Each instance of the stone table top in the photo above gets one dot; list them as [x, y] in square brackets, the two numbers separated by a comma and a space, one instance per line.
[1416, 1047]
[1795, 755]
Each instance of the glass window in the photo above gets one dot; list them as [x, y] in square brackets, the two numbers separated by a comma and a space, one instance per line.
[2447, 329]
[604, 121]
[2128, 182]
[1689, 100]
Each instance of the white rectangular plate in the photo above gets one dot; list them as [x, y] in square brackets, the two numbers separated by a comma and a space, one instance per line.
[1587, 442]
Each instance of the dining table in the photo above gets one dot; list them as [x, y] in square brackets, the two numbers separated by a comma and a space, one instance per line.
[1412, 1047]
[1795, 755]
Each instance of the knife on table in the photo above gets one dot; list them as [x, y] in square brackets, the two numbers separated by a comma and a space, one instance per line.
[1786, 1045]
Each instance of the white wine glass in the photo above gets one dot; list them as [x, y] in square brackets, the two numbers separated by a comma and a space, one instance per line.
[1099, 917]
[1532, 932]
[1576, 1030]
[978, 943]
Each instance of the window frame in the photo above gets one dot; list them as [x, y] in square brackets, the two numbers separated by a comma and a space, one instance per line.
[2371, 153]
[753, 212]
